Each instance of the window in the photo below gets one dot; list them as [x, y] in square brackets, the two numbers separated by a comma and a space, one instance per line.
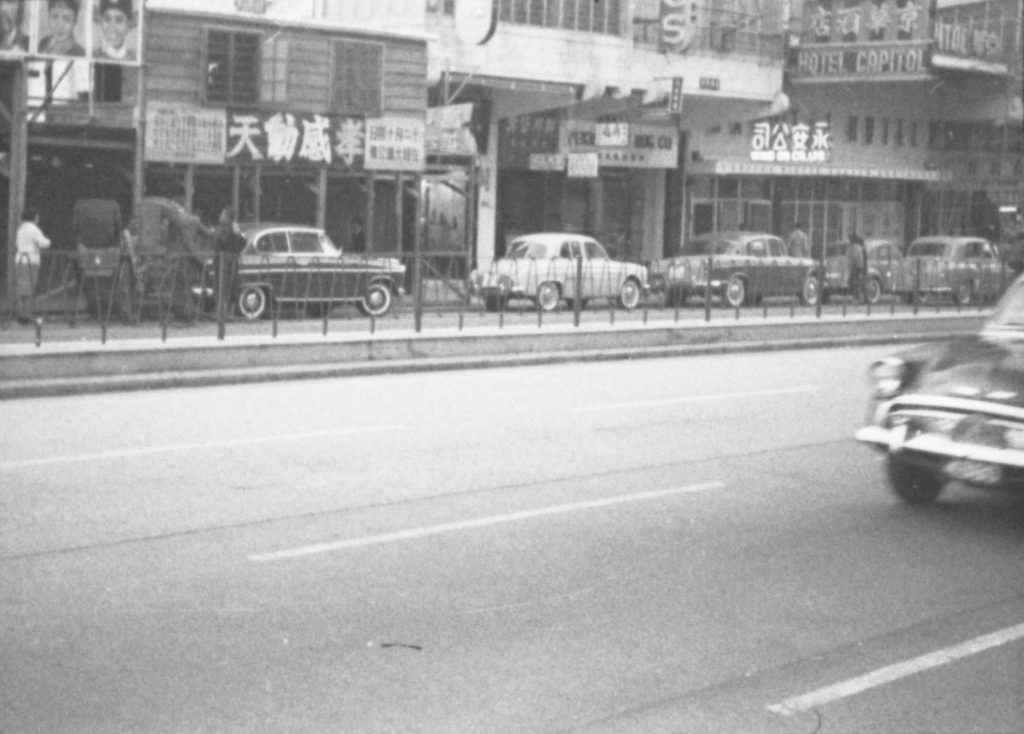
[852, 122]
[899, 132]
[756, 248]
[885, 131]
[913, 134]
[108, 80]
[273, 242]
[775, 248]
[869, 130]
[232, 67]
[307, 243]
[358, 76]
[275, 70]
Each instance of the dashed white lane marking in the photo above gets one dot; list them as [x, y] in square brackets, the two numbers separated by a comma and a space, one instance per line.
[171, 448]
[892, 673]
[452, 527]
[697, 399]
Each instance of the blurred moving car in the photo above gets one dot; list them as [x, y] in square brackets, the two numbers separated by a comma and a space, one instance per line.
[963, 268]
[954, 410]
[548, 267]
[740, 267]
[884, 260]
[289, 263]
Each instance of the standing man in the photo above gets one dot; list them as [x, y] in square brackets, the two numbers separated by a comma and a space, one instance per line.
[857, 262]
[12, 15]
[798, 242]
[30, 242]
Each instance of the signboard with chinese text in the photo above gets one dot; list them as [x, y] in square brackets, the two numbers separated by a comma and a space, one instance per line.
[285, 138]
[107, 31]
[783, 142]
[448, 131]
[520, 137]
[649, 146]
[675, 98]
[395, 144]
[547, 162]
[612, 134]
[582, 165]
[975, 37]
[177, 134]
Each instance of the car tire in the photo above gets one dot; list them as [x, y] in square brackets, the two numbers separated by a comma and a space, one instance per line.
[548, 296]
[252, 302]
[495, 303]
[736, 291]
[629, 294]
[873, 291]
[963, 294]
[809, 292]
[377, 301]
[915, 485]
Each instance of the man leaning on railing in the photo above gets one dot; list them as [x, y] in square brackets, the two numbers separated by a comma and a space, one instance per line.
[30, 242]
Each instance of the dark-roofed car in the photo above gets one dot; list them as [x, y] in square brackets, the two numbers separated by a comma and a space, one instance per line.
[288, 263]
[964, 268]
[744, 268]
[954, 410]
[548, 267]
[884, 263]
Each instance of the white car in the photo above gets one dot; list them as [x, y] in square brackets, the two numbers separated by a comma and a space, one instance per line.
[549, 267]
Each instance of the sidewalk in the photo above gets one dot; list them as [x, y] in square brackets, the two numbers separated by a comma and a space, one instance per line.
[72, 366]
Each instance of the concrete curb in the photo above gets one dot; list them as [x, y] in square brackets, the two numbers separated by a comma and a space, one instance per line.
[73, 368]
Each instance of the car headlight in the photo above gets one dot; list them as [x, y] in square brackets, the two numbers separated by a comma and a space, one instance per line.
[889, 376]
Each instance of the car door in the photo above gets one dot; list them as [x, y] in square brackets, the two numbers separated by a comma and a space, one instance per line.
[885, 260]
[268, 261]
[564, 269]
[787, 270]
[602, 273]
[759, 276]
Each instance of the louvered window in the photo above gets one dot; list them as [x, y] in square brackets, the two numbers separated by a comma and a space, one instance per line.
[232, 67]
[358, 77]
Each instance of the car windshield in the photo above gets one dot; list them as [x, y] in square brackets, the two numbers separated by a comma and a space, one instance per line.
[929, 249]
[707, 246]
[525, 249]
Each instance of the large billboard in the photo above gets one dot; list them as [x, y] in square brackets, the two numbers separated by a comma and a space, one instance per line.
[108, 31]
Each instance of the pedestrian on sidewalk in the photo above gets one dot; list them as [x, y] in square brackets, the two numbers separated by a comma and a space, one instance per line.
[856, 259]
[228, 242]
[30, 243]
[798, 242]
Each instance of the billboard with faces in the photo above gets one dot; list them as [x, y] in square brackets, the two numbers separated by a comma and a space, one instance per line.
[108, 31]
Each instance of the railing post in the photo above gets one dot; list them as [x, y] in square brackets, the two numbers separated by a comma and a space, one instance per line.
[221, 288]
[579, 292]
[917, 286]
[707, 290]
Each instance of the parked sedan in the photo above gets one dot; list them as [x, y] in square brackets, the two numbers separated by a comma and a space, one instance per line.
[287, 263]
[884, 261]
[954, 411]
[740, 267]
[964, 268]
[549, 267]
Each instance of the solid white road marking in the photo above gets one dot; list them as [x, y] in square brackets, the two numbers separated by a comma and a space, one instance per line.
[696, 399]
[170, 448]
[892, 673]
[451, 527]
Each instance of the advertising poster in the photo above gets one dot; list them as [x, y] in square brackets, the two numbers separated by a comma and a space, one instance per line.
[107, 31]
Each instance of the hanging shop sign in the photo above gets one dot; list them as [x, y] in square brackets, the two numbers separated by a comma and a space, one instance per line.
[582, 165]
[521, 137]
[677, 28]
[395, 144]
[448, 131]
[648, 146]
[611, 134]
[782, 142]
[177, 134]
[106, 31]
[973, 38]
[287, 138]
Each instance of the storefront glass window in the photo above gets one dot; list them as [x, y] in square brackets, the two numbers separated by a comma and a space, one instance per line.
[728, 188]
[805, 189]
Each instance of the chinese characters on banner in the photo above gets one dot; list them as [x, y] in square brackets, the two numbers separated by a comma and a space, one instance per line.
[854, 21]
[521, 137]
[782, 142]
[293, 138]
[395, 144]
[176, 134]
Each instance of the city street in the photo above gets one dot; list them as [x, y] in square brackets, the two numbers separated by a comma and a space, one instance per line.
[667, 545]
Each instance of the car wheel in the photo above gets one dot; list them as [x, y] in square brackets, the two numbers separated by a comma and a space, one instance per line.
[377, 301]
[809, 292]
[915, 485]
[736, 291]
[252, 302]
[963, 294]
[548, 296]
[629, 294]
[495, 303]
[873, 290]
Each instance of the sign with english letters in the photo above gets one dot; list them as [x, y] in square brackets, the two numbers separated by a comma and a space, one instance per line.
[676, 29]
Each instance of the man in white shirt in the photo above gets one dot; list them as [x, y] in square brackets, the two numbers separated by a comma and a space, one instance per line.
[30, 242]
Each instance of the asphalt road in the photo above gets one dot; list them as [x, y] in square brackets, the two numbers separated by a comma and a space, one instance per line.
[673, 545]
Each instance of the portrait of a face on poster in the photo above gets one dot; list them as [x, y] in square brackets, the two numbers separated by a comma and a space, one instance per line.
[107, 31]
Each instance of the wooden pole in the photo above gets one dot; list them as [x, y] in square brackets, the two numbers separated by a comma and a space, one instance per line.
[18, 174]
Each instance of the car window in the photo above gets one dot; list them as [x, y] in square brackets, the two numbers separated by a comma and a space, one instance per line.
[757, 248]
[522, 249]
[328, 246]
[306, 243]
[776, 248]
[570, 250]
[929, 248]
[707, 246]
[594, 250]
[273, 242]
